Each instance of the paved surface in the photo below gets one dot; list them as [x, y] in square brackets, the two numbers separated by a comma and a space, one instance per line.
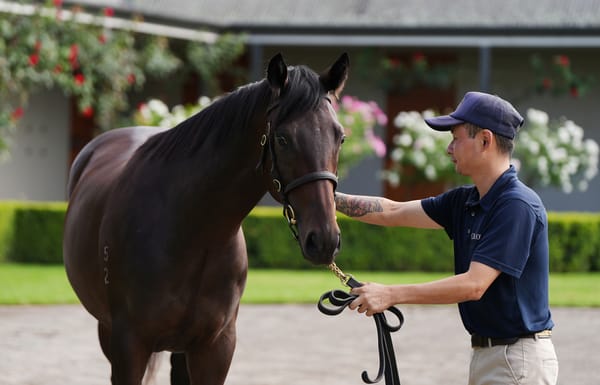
[285, 344]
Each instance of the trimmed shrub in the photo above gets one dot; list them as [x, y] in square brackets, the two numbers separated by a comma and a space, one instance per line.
[35, 234]
[32, 232]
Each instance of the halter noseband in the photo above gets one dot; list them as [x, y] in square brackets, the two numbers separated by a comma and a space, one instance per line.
[267, 141]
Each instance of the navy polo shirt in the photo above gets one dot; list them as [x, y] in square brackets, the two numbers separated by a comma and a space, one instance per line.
[508, 230]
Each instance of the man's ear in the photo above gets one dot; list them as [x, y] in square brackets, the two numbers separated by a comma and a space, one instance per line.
[486, 137]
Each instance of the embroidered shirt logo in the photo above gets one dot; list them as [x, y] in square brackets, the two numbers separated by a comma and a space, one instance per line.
[475, 236]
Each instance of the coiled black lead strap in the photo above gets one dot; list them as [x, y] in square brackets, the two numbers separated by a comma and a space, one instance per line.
[335, 301]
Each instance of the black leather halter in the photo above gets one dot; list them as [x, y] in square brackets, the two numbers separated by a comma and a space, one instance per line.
[283, 189]
[338, 300]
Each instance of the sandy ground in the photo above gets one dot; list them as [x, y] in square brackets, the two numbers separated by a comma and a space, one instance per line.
[285, 344]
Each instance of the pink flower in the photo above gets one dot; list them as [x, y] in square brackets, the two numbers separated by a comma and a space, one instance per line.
[109, 12]
[377, 143]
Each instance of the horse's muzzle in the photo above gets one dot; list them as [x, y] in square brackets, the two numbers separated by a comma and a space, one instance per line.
[322, 247]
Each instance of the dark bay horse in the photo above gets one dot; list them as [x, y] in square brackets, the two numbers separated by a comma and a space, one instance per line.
[153, 244]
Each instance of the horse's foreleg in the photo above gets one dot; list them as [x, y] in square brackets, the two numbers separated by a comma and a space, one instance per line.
[129, 357]
[209, 364]
[179, 371]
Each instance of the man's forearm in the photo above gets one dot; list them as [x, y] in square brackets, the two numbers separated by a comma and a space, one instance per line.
[384, 212]
[357, 206]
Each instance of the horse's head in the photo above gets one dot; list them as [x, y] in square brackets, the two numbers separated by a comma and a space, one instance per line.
[303, 141]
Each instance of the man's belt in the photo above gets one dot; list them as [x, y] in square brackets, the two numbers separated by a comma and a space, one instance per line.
[478, 341]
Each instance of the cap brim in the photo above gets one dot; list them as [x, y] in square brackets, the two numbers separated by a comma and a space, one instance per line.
[443, 123]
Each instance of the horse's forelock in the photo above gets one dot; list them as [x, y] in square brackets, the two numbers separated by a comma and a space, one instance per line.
[301, 94]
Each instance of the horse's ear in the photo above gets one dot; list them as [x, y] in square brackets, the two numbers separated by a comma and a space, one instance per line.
[334, 78]
[277, 72]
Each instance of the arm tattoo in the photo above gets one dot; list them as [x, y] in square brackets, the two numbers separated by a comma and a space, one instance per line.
[355, 206]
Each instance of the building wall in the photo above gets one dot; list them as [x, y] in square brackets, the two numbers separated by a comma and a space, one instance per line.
[36, 167]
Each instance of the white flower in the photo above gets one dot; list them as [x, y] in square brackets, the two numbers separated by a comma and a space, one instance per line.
[403, 139]
[397, 154]
[430, 172]
[158, 107]
[537, 117]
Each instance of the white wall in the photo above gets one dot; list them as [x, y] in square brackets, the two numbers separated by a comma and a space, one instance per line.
[36, 167]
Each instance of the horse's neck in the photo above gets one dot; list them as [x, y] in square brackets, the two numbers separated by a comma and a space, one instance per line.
[233, 174]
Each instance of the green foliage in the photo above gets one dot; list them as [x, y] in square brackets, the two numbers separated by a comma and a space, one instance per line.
[7, 210]
[86, 59]
[32, 233]
[211, 60]
[574, 242]
[269, 241]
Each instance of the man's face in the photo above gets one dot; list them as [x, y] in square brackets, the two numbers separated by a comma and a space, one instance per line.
[463, 150]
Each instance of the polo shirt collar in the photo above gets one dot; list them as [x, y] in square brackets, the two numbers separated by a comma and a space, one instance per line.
[498, 186]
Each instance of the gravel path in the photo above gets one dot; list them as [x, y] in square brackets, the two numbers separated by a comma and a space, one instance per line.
[285, 344]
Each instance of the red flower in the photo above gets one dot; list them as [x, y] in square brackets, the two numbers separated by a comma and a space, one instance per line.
[574, 91]
[109, 12]
[17, 114]
[418, 57]
[562, 60]
[131, 78]
[88, 112]
[73, 53]
[57, 3]
[58, 69]
[394, 62]
[79, 79]
[34, 59]
[102, 38]
[547, 83]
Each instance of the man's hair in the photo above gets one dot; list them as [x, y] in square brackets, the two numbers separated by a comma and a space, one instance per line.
[505, 145]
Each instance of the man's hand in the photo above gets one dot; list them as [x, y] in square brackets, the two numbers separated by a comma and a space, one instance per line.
[372, 298]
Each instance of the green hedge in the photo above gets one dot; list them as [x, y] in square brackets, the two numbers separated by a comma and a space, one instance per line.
[32, 232]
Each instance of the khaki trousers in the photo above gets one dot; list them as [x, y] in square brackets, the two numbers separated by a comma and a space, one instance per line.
[527, 362]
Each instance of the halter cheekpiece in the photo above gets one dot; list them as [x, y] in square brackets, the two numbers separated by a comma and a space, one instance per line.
[266, 142]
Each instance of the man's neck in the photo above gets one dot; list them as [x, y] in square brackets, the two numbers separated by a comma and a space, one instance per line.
[485, 180]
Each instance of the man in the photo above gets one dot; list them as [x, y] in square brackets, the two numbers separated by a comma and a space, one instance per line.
[500, 234]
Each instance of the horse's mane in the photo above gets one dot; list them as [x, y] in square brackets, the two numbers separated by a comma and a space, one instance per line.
[235, 110]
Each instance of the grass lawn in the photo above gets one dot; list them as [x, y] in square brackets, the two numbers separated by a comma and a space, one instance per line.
[35, 284]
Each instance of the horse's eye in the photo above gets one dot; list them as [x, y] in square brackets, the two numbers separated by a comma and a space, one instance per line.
[343, 139]
[281, 140]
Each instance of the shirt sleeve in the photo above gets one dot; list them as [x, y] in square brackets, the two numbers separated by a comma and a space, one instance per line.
[443, 208]
[507, 237]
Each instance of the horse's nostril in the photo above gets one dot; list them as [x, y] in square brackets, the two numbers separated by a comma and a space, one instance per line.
[320, 249]
[311, 245]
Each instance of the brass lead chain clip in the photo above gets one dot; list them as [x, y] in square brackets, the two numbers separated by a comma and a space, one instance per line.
[344, 278]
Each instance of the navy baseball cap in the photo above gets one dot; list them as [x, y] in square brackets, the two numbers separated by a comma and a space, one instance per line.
[483, 110]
